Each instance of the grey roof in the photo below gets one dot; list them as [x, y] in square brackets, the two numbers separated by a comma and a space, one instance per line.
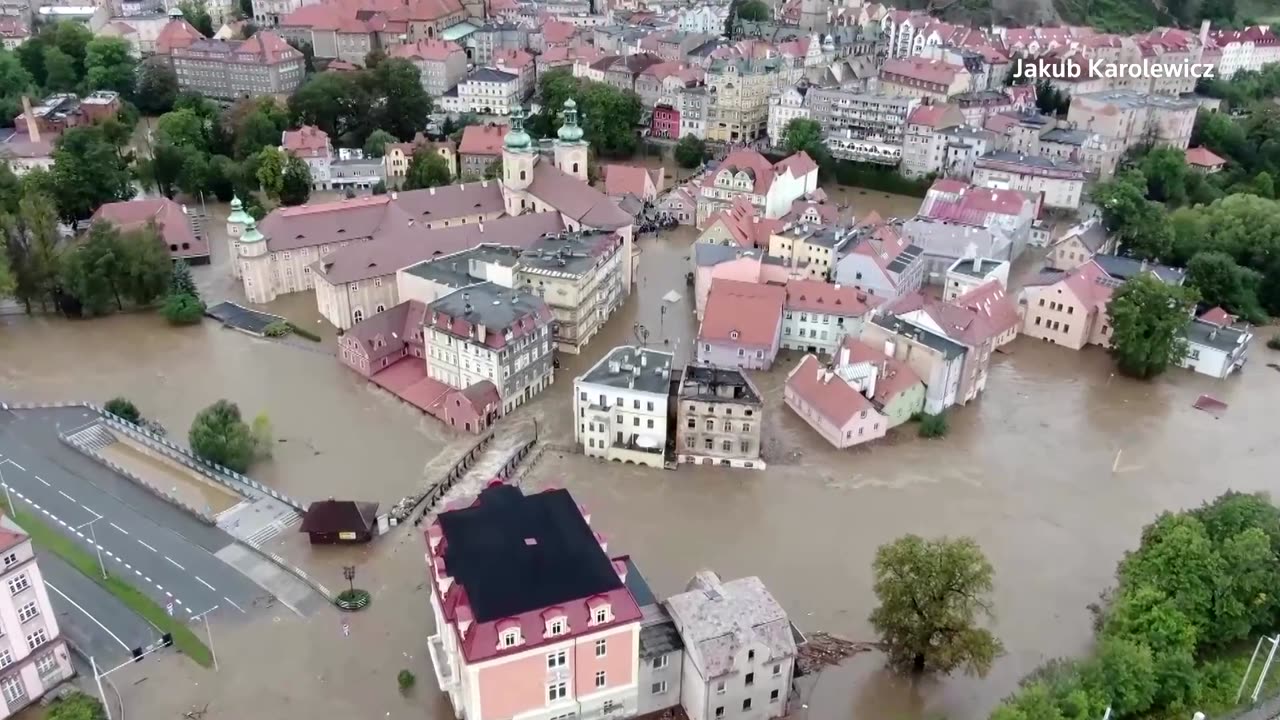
[627, 366]
[488, 74]
[1131, 99]
[569, 253]
[947, 239]
[659, 637]
[1225, 338]
[980, 96]
[1066, 136]
[964, 266]
[718, 619]
[1092, 235]
[490, 305]
[1035, 161]
[710, 383]
[1123, 268]
[905, 258]
[456, 270]
[967, 131]
[706, 48]
[948, 347]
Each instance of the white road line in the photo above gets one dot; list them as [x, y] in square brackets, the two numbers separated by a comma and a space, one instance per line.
[146, 546]
[166, 592]
[160, 587]
[46, 482]
[16, 465]
[187, 609]
[177, 601]
[166, 557]
[66, 496]
[126, 532]
[144, 577]
[46, 512]
[33, 503]
[128, 566]
[119, 559]
[86, 612]
[233, 603]
[79, 534]
[19, 494]
[62, 522]
[138, 573]
[108, 552]
[202, 582]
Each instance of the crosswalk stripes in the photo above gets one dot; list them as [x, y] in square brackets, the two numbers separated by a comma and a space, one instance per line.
[95, 437]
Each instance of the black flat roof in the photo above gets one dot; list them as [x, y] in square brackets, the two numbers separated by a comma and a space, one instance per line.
[514, 553]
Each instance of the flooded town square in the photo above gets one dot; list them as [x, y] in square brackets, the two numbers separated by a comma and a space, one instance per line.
[1054, 470]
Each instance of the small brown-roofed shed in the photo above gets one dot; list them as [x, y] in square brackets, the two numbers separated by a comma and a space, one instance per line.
[340, 521]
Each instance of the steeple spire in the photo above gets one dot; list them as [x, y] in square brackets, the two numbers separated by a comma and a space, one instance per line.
[570, 131]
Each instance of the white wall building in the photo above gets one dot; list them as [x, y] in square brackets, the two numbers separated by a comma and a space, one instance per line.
[33, 656]
[783, 108]
[487, 91]
[969, 272]
[620, 406]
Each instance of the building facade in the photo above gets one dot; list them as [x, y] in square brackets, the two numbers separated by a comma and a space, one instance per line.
[579, 276]
[719, 418]
[620, 407]
[229, 70]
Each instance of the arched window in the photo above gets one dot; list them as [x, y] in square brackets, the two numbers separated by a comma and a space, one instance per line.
[522, 175]
[357, 315]
[575, 168]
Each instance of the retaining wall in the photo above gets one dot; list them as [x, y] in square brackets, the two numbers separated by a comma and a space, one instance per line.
[157, 491]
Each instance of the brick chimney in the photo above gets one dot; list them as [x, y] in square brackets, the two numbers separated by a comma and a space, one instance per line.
[33, 127]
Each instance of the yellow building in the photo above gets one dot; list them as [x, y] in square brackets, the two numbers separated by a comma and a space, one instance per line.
[739, 92]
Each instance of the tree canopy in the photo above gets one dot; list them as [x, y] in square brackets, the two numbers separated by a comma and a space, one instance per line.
[804, 135]
[690, 151]
[426, 169]
[754, 11]
[1148, 325]
[349, 106]
[108, 267]
[608, 116]
[219, 435]
[932, 594]
[88, 172]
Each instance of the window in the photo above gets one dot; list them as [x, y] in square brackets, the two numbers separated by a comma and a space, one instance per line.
[557, 659]
[602, 646]
[601, 615]
[620, 421]
[18, 584]
[358, 315]
[510, 638]
[660, 662]
[12, 688]
[773, 696]
[556, 627]
[1041, 302]
[691, 423]
[720, 711]
[720, 690]
[1193, 354]
[658, 688]
[746, 704]
[689, 442]
[1066, 328]
[6, 658]
[751, 655]
[37, 638]
[750, 680]
[600, 679]
[1037, 319]
[557, 691]
[10, 559]
[46, 664]
[650, 422]
[711, 425]
[709, 443]
[635, 404]
[28, 611]
[777, 669]
[650, 404]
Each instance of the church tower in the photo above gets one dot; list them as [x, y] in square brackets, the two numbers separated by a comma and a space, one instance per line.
[813, 15]
[255, 264]
[518, 158]
[571, 149]
[236, 222]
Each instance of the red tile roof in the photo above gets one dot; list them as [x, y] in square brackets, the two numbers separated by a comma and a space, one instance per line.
[754, 164]
[824, 297]
[799, 165]
[172, 223]
[991, 301]
[1218, 316]
[748, 229]
[426, 50]
[621, 179]
[894, 375]
[742, 313]
[830, 395]
[177, 33]
[307, 141]
[558, 32]
[929, 115]
[482, 140]
[512, 58]
[935, 72]
[1204, 157]
[9, 538]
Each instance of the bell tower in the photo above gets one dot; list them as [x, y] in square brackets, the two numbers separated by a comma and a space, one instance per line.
[518, 158]
[570, 148]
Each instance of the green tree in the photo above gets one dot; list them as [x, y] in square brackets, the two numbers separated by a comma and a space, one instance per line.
[87, 172]
[263, 436]
[754, 11]
[181, 282]
[145, 266]
[1125, 671]
[690, 152]
[1232, 513]
[1141, 225]
[376, 144]
[493, 170]
[193, 179]
[260, 125]
[270, 171]
[183, 128]
[196, 12]
[426, 169]
[335, 102]
[1148, 325]
[1166, 171]
[91, 271]
[76, 706]
[402, 104]
[609, 119]
[931, 595]
[219, 435]
[31, 242]
[308, 54]
[72, 38]
[110, 65]
[60, 71]
[1220, 281]
[374, 58]
[15, 82]
[224, 175]
[123, 408]
[7, 283]
[804, 135]
[295, 183]
[182, 309]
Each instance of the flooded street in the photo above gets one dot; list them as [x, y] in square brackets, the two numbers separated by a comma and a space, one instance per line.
[1030, 470]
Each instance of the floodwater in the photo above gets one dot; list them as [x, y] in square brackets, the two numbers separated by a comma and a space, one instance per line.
[1054, 471]
[169, 476]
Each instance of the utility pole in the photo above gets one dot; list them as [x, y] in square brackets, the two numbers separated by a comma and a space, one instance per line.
[93, 536]
[209, 632]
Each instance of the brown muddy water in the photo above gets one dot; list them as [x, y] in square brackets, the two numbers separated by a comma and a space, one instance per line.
[1030, 470]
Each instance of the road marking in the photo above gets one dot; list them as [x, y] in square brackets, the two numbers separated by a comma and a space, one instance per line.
[202, 582]
[19, 494]
[86, 612]
[66, 496]
[233, 603]
[160, 588]
[126, 532]
[62, 522]
[79, 534]
[46, 512]
[166, 557]
[146, 546]
[177, 601]
[138, 573]
[144, 577]
[187, 609]
[33, 503]
[108, 552]
[127, 566]
[166, 592]
[119, 559]
[46, 482]
[11, 462]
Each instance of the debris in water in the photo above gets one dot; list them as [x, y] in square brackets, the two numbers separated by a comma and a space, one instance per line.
[1211, 405]
[824, 649]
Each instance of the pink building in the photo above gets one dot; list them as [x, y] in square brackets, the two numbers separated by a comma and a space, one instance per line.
[665, 122]
[533, 618]
[741, 326]
[173, 223]
[726, 263]
[833, 404]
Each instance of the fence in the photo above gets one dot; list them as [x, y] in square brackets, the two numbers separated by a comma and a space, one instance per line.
[456, 472]
[1268, 709]
[513, 460]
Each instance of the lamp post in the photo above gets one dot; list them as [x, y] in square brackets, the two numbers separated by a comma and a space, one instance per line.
[93, 536]
[349, 572]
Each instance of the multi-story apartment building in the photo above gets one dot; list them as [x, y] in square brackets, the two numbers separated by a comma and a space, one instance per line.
[967, 274]
[1061, 183]
[487, 91]
[740, 652]
[926, 79]
[396, 157]
[228, 70]
[694, 104]
[519, 63]
[810, 248]
[534, 620]
[1069, 308]
[1128, 118]
[311, 144]
[479, 148]
[784, 107]
[579, 275]
[741, 325]
[771, 188]
[924, 144]
[620, 407]
[441, 64]
[488, 332]
[33, 656]
[349, 29]
[861, 115]
[817, 315]
[1242, 50]
[494, 36]
[719, 418]
[881, 261]
[740, 88]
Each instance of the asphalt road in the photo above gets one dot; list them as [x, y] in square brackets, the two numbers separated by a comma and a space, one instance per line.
[156, 547]
[92, 619]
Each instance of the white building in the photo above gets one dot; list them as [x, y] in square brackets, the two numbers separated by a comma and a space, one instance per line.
[783, 108]
[739, 650]
[486, 91]
[971, 271]
[33, 656]
[312, 145]
[1215, 346]
[620, 407]
[818, 315]
[702, 19]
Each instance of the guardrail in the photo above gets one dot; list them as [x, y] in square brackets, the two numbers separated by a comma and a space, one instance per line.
[159, 492]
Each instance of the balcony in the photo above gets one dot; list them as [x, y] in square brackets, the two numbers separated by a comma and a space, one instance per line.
[446, 673]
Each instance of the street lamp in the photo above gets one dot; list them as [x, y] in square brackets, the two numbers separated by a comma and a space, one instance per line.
[349, 572]
[93, 536]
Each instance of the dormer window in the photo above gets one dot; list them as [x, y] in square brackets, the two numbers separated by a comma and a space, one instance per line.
[601, 611]
[556, 627]
[509, 638]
